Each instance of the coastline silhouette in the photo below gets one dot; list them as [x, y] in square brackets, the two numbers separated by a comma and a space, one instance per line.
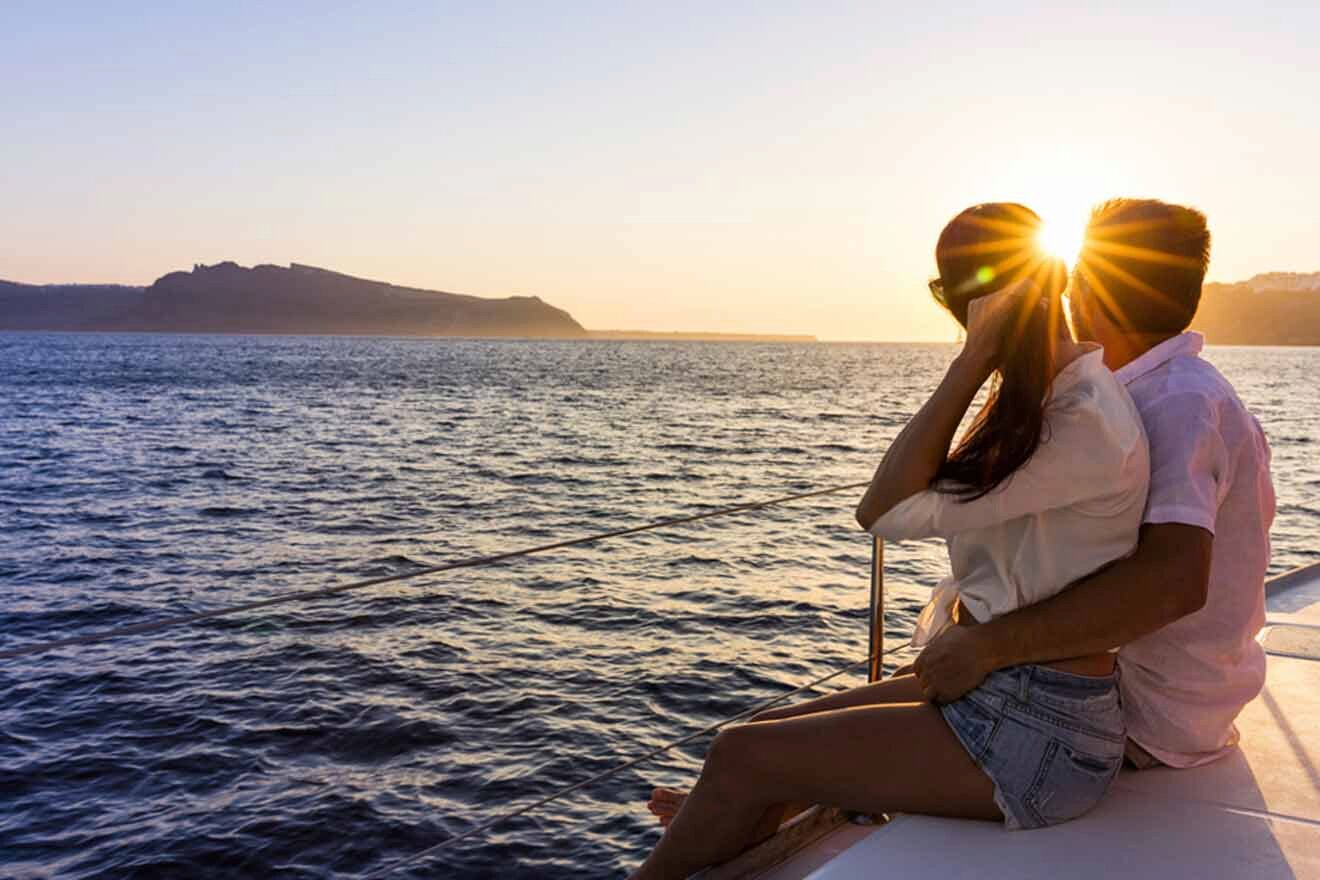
[1275, 308]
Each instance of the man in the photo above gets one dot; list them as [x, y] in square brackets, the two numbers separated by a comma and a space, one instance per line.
[1186, 606]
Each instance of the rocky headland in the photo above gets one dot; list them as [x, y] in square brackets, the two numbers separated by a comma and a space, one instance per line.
[297, 299]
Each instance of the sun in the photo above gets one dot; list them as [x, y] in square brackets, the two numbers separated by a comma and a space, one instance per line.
[1062, 235]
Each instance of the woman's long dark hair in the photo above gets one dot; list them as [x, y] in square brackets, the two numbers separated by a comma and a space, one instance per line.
[982, 250]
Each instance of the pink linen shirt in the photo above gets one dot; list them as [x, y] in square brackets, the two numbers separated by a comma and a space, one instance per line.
[1183, 685]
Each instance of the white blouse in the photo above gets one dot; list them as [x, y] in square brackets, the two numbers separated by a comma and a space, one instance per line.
[1074, 507]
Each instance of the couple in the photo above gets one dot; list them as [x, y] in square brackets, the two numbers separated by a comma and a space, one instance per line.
[1107, 517]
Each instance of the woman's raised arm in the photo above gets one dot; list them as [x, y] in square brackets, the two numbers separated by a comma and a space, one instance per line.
[914, 458]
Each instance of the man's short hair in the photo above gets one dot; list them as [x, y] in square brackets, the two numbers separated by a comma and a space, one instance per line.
[1144, 261]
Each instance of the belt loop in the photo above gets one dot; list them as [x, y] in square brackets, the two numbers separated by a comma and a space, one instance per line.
[1024, 683]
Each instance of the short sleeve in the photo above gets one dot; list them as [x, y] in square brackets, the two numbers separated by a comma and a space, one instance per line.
[1090, 454]
[1189, 461]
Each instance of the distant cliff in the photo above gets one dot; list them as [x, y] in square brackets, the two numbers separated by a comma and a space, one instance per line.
[228, 298]
[1277, 308]
[66, 306]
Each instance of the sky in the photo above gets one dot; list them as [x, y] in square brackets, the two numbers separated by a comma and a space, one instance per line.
[738, 167]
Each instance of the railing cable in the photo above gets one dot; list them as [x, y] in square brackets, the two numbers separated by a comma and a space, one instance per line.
[632, 762]
[472, 562]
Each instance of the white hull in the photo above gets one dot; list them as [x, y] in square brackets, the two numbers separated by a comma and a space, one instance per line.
[1254, 814]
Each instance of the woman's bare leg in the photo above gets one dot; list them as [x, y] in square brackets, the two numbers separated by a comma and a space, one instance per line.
[665, 802]
[897, 689]
[878, 758]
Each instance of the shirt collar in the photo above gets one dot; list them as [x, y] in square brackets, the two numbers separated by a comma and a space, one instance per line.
[1079, 368]
[1189, 342]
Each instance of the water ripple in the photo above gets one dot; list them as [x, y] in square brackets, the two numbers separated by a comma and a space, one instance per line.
[143, 476]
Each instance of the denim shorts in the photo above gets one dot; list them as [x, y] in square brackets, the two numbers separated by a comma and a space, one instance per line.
[1050, 741]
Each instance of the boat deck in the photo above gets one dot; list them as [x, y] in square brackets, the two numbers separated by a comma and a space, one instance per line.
[1253, 814]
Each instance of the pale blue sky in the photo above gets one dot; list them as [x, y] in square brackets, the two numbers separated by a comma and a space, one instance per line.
[759, 167]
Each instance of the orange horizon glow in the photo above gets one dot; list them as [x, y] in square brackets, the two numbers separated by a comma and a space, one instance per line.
[776, 170]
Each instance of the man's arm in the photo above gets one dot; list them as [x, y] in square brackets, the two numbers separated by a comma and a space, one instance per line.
[1165, 579]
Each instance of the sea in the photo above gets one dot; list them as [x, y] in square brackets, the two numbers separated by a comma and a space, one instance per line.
[149, 476]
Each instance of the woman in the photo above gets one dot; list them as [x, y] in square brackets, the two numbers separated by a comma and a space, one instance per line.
[1047, 485]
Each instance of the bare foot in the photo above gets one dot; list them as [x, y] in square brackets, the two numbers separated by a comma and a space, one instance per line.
[665, 802]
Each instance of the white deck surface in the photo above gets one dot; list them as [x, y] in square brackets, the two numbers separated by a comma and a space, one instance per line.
[1254, 814]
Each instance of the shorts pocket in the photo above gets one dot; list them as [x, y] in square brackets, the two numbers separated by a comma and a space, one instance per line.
[1069, 782]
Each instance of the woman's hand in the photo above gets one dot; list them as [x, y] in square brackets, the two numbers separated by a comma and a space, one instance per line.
[988, 321]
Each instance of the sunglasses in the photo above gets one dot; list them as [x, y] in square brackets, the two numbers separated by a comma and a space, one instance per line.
[936, 286]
